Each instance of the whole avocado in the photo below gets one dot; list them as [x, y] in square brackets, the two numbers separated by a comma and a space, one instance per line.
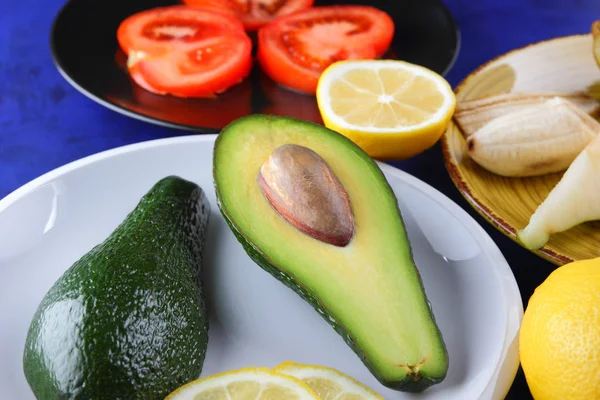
[128, 319]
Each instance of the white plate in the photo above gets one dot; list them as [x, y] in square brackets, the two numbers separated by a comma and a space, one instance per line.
[52, 221]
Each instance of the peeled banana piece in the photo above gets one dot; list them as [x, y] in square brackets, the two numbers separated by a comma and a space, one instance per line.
[534, 140]
[574, 200]
[471, 115]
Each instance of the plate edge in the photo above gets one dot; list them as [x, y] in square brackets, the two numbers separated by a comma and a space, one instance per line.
[35, 183]
[463, 187]
[502, 269]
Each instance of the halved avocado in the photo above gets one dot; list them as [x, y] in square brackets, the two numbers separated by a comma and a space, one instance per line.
[369, 290]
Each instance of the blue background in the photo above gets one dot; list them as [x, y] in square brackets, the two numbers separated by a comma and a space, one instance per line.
[45, 123]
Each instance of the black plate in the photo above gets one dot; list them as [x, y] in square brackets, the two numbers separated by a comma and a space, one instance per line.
[85, 50]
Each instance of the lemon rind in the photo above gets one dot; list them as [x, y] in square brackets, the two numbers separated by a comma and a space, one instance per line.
[305, 371]
[195, 387]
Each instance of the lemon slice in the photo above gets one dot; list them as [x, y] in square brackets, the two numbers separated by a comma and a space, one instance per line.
[596, 35]
[245, 384]
[391, 109]
[329, 383]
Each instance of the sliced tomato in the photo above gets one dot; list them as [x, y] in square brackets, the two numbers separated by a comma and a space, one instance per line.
[295, 49]
[254, 13]
[185, 51]
[225, 6]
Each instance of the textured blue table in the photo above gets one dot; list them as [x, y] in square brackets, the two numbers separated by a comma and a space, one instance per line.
[44, 123]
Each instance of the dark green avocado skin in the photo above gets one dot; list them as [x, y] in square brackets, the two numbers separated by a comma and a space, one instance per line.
[128, 319]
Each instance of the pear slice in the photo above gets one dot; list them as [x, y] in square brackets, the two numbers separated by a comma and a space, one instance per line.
[574, 200]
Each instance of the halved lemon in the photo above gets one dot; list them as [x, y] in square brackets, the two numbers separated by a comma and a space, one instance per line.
[596, 35]
[392, 109]
[329, 383]
[245, 384]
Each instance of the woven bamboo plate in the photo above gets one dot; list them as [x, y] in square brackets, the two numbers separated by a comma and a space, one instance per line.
[564, 64]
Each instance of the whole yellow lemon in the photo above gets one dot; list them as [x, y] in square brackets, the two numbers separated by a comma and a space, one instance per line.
[560, 334]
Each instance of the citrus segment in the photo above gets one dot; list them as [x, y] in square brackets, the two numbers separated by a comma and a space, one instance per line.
[328, 383]
[392, 109]
[245, 384]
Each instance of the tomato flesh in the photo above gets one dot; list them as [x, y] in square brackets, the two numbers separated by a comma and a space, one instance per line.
[179, 74]
[295, 49]
[254, 13]
[184, 51]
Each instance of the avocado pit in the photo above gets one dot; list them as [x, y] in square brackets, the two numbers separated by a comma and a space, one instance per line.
[302, 188]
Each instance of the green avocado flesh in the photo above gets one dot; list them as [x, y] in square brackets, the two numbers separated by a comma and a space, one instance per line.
[128, 319]
[370, 291]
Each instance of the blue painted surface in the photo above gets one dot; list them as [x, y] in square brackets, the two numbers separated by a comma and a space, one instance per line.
[45, 123]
